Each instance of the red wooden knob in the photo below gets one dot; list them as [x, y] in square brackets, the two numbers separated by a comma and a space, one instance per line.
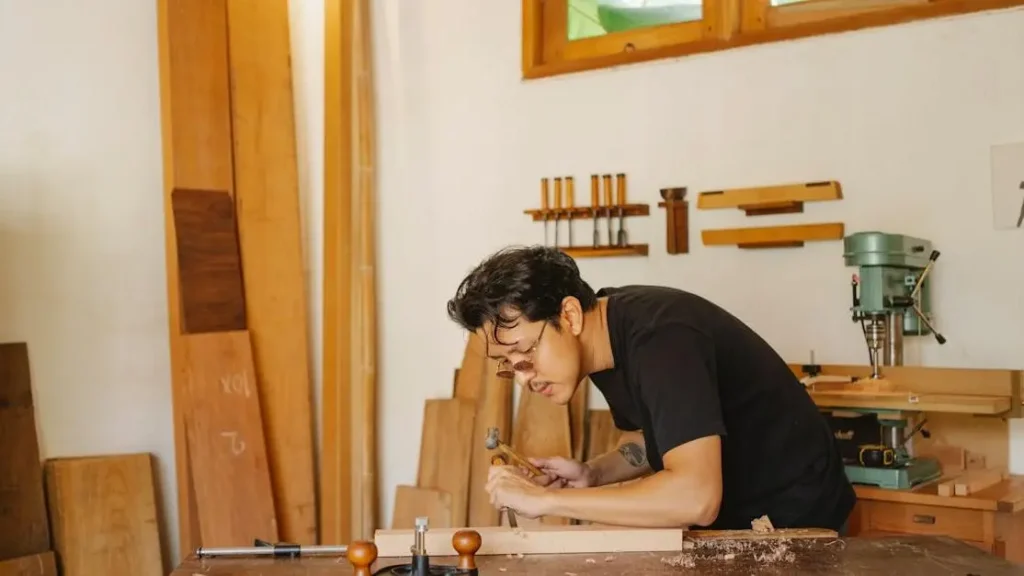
[467, 543]
[362, 554]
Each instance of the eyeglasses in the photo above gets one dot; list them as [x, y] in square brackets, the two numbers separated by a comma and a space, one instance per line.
[505, 367]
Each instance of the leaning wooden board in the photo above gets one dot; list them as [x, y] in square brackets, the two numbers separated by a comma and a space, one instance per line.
[24, 528]
[493, 409]
[542, 429]
[226, 446]
[197, 155]
[104, 515]
[446, 450]
[44, 564]
[574, 540]
[270, 236]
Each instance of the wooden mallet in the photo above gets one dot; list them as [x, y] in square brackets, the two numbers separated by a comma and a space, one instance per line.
[495, 443]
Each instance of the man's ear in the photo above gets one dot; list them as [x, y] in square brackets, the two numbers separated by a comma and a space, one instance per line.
[572, 314]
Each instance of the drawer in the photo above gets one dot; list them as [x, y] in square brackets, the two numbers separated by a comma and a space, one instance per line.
[959, 523]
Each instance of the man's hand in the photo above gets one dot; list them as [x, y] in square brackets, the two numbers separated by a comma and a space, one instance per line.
[561, 472]
[509, 487]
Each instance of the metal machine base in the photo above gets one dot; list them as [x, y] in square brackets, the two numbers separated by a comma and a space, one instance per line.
[914, 472]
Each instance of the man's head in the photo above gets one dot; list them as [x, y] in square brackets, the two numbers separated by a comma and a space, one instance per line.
[528, 304]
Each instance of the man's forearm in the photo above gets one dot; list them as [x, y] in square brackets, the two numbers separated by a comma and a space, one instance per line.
[662, 500]
[626, 462]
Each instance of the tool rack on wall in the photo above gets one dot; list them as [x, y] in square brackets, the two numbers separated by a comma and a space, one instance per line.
[606, 239]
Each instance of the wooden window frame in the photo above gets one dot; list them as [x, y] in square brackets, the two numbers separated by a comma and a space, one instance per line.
[725, 24]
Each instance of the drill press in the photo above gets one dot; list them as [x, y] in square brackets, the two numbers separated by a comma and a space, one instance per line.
[891, 301]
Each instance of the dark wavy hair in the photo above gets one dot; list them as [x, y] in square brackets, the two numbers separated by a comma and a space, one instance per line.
[517, 282]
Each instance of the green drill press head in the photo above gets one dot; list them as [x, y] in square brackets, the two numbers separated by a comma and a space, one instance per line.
[890, 267]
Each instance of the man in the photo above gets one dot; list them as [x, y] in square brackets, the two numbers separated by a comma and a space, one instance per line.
[718, 430]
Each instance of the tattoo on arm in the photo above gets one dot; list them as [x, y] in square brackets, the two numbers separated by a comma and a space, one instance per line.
[634, 454]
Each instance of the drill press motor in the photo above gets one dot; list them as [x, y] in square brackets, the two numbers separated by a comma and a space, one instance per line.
[891, 300]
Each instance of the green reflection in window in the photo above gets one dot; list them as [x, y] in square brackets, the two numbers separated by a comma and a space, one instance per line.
[589, 18]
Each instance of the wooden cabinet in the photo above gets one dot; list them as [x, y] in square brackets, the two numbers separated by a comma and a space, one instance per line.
[992, 519]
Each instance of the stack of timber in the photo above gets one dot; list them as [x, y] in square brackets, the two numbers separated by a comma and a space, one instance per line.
[70, 516]
[236, 291]
[454, 459]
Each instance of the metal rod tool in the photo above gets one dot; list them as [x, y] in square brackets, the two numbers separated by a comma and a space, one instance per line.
[273, 550]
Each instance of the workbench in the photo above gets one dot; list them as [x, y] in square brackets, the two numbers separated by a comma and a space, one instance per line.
[903, 555]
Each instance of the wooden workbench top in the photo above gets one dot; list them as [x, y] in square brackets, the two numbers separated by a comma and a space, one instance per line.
[907, 556]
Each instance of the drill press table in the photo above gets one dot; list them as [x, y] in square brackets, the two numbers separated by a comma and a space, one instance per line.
[906, 556]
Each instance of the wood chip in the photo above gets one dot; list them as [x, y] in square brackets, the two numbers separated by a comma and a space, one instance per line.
[762, 524]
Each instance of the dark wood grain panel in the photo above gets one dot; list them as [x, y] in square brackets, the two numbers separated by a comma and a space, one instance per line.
[209, 262]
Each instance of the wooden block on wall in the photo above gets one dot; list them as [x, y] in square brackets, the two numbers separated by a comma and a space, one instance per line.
[24, 528]
[104, 516]
[35, 565]
[226, 446]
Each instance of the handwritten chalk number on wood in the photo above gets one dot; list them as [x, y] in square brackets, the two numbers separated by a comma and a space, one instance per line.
[237, 444]
[236, 384]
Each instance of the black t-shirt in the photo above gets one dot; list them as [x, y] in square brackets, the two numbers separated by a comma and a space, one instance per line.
[685, 369]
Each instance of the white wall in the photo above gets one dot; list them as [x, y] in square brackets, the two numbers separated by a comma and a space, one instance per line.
[82, 226]
[903, 117]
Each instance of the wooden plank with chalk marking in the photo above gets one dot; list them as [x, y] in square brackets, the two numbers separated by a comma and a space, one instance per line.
[226, 445]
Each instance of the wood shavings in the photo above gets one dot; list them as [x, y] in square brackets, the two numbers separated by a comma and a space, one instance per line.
[762, 524]
[591, 561]
[680, 561]
[609, 558]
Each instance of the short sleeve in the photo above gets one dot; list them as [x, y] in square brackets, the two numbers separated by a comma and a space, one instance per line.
[621, 421]
[676, 374]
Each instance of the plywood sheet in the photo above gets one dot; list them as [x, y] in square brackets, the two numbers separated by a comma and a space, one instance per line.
[24, 529]
[103, 513]
[446, 449]
[494, 409]
[270, 237]
[226, 445]
[209, 264]
[412, 502]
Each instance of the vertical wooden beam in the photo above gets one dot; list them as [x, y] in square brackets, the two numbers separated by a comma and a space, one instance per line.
[270, 237]
[364, 329]
[336, 483]
[196, 131]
